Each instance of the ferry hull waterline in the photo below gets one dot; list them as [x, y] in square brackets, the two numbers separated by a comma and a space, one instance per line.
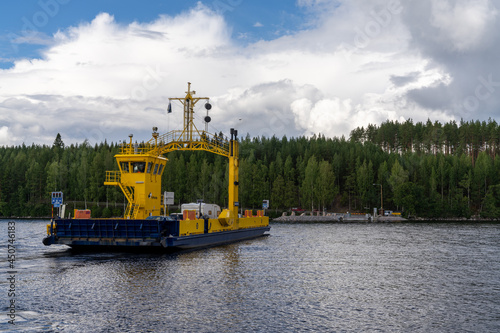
[145, 225]
[127, 235]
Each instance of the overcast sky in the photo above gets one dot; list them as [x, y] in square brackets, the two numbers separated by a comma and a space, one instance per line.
[101, 70]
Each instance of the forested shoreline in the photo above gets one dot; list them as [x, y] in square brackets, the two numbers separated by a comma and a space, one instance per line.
[427, 170]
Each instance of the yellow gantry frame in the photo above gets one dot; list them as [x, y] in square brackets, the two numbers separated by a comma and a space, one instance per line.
[143, 188]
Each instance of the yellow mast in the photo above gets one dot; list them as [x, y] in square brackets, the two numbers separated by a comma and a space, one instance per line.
[189, 102]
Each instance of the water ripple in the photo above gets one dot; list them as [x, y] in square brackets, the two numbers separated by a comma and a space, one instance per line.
[304, 277]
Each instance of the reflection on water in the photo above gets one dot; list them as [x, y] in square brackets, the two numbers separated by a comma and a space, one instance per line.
[320, 277]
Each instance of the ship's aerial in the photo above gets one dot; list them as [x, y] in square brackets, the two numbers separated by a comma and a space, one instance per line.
[145, 224]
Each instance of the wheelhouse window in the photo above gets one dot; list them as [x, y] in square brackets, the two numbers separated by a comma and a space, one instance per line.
[124, 166]
[160, 167]
[155, 170]
[139, 167]
[150, 166]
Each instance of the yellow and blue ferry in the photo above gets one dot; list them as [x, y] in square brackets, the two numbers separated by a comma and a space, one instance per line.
[143, 226]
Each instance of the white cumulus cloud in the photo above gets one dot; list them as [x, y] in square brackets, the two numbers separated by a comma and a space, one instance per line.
[356, 62]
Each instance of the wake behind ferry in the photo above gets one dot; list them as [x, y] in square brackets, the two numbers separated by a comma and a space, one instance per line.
[139, 177]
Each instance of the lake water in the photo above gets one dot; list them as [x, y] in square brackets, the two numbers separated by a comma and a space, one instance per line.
[399, 277]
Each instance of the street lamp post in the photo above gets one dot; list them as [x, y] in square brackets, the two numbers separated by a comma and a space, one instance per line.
[381, 197]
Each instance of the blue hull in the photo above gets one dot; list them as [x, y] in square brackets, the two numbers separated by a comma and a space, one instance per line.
[212, 239]
[118, 235]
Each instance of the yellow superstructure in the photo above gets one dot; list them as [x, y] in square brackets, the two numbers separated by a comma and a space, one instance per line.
[141, 168]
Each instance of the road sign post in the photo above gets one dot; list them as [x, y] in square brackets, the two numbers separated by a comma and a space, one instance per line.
[57, 201]
[168, 199]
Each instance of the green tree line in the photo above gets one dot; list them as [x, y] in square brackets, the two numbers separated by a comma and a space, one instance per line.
[446, 174]
[469, 138]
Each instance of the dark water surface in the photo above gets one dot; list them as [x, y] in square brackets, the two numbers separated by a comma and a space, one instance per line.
[401, 277]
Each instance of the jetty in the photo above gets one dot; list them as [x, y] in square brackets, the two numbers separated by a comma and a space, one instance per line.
[336, 217]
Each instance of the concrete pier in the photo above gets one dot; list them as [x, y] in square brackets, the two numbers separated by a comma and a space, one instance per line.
[337, 217]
